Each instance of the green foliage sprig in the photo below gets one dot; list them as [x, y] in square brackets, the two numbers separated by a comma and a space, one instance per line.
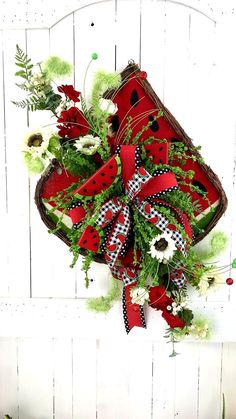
[38, 85]
[24, 62]
[76, 163]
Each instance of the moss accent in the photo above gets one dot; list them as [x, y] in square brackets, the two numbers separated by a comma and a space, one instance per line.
[104, 303]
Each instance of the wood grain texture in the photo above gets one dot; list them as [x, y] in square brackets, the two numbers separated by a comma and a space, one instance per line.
[9, 379]
[56, 359]
[35, 374]
[17, 274]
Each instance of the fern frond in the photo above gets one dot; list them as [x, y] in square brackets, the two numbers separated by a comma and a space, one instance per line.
[31, 104]
[84, 106]
[24, 62]
[22, 86]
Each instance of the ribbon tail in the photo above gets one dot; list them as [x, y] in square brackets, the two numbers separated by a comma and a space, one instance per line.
[116, 239]
[133, 313]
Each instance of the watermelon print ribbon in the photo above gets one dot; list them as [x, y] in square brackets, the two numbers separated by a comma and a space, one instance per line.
[143, 192]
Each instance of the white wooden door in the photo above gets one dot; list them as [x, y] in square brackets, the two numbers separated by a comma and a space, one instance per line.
[57, 357]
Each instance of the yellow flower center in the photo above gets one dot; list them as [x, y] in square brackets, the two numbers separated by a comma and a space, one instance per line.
[211, 280]
[88, 145]
[161, 245]
[35, 140]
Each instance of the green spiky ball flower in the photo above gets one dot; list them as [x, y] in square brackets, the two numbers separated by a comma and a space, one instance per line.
[104, 304]
[55, 67]
[217, 245]
[34, 165]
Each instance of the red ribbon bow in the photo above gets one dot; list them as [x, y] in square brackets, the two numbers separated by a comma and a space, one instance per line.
[142, 191]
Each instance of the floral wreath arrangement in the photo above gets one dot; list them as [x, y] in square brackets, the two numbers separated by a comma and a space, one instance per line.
[123, 184]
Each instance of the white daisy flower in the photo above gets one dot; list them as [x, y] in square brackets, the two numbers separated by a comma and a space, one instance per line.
[209, 281]
[162, 247]
[88, 144]
[139, 295]
[36, 142]
[106, 105]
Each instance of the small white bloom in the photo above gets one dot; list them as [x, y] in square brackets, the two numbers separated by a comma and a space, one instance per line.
[139, 295]
[106, 105]
[209, 281]
[175, 308]
[41, 94]
[38, 79]
[162, 247]
[88, 144]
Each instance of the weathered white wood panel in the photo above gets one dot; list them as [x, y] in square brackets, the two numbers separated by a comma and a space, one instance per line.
[209, 381]
[228, 378]
[25, 14]
[62, 353]
[35, 375]
[94, 32]
[85, 383]
[153, 43]
[56, 367]
[163, 391]
[9, 383]
[128, 32]
[127, 367]
[90, 379]
[16, 199]
[4, 283]
[185, 367]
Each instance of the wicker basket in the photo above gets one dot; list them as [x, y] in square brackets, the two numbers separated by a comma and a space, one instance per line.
[131, 70]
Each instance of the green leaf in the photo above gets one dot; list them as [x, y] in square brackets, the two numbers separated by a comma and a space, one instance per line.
[186, 315]
[20, 73]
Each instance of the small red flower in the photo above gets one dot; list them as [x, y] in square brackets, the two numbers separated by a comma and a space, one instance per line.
[158, 298]
[69, 91]
[173, 321]
[160, 301]
[73, 122]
